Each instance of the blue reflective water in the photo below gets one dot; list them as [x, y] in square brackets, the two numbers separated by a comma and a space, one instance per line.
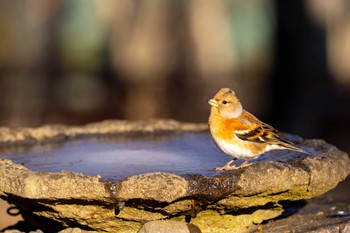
[119, 157]
[114, 158]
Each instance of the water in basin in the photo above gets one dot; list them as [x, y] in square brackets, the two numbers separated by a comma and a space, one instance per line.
[118, 157]
[114, 158]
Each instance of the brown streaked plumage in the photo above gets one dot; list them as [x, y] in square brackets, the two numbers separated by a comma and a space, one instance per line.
[239, 133]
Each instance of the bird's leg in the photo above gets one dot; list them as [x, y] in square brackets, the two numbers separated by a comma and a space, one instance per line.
[234, 167]
[227, 166]
[245, 163]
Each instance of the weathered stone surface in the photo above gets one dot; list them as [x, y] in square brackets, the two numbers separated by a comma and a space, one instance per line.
[18, 180]
[67, 230]
[169, 227]
[228, 202]
[212, 221]
[157, 187]
[73, 230]
[320, 214]
[17, 136]
[18, 231]
[338, 227]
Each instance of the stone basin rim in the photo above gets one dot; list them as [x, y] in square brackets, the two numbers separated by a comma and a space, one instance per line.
[59, 133]
[52, 134]
[191, 182]
[225, 183]
[159, 195]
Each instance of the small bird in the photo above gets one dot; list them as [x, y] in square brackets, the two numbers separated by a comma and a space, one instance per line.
[240, 134]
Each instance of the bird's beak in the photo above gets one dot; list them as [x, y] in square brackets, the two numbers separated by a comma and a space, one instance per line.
[213, 103]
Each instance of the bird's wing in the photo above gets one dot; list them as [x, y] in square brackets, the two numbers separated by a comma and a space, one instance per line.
[254, 130]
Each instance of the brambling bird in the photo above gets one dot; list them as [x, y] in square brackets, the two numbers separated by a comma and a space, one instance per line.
[239, 133]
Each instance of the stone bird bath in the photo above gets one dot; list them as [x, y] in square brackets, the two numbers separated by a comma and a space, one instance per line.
[120, 176]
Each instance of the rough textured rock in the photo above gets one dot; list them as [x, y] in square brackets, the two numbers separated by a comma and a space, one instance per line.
[67, 230]
[213, 221]
[18, 231]
[338, 227]
[169, 227]
[320, 214]
[233, 201]
[73, 230]
[157, 187]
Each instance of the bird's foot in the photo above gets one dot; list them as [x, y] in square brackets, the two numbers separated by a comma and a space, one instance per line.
[245, 164]
[228, 166]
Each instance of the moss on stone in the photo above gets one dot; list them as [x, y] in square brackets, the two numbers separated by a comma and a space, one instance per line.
[179, 206]
[210, 221]
[134, 214]
[261, 199]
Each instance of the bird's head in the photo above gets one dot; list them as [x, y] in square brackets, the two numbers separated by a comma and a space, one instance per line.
[227, 103]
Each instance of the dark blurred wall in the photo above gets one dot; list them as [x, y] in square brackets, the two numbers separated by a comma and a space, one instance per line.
[307, 96]
[74, 62]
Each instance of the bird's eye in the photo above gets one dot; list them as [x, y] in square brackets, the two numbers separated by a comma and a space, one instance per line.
[224, 102]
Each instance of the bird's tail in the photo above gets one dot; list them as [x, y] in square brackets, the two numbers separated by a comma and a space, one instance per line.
[289, 145]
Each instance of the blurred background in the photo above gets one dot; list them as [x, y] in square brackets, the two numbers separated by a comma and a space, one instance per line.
[74, 62]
